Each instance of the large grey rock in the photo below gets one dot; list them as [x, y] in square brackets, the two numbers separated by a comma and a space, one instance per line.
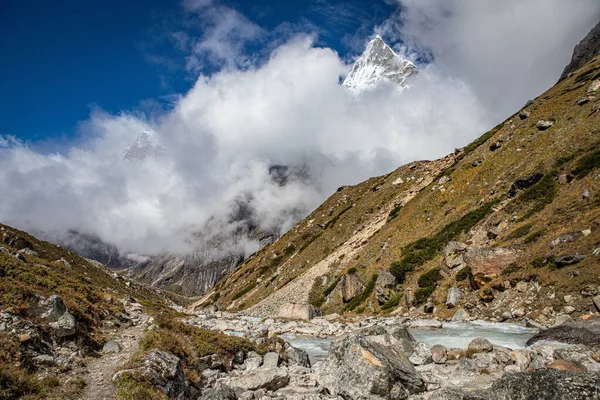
[454, 394]
[262, 378]
[421, 354]
[453, 297]
[219, 392]
[163, 371]
[298, 311]
[111, 347]
[350, 287]
[401, 337]
[65, 326]
[542, 125]
[385, 286]
[453, 254]
[297, 356]
[596, 301]
[52, 308]
[460, 315]
[583, 331]
[439, 354]
[358, 367]
[546, 384]
[480, 345]
[271, 360]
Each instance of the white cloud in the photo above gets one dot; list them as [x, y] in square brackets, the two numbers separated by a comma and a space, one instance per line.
[219, 140]
[506, 51]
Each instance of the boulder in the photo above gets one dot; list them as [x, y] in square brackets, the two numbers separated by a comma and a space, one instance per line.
[566, 365]
[253, 361]
[449, 393]
[111, 347]
[402, 338]
[453, 297]
[565, 261]
[297, 356]
[421, 354]
[596, 301]
[298, 311]
[271, 360]
[350, 287]
[219, 392]
[480, 345]
[524, 114]
[524, 183]
[358, 367]
[453, 254]
[385, 286]
[460, 315]
[163, 371]
[439, 354]
[547, 384]
[261, 378]
[583, 331]
[65, 326]
[51, 308]
[543, 125]
[16, 241]
[488, 263]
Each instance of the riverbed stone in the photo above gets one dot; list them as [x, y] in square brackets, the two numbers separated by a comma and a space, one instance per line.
[439, 354]
[360, 368]
[421, 354]
[453, 297]
[480, 345]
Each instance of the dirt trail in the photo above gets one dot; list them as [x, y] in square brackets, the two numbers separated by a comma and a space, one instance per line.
[101, 370]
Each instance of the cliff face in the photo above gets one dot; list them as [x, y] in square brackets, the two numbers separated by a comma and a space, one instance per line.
[587, 49]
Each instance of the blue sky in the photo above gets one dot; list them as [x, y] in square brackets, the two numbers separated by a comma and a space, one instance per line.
[60, 59]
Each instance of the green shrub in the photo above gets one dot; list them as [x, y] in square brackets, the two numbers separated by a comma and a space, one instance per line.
[423, 293]
[358, 300]
[538, 262]
[586, 164]
[135, 387]
[430, 278]
[533, 237]
[482, 139]
[335, 219]
[243, 291]
[538, 196]
[395, 212]
[520, 232]
[463, 274]
[392, 302]
[306, 244]
[512, 268]
[419, 252]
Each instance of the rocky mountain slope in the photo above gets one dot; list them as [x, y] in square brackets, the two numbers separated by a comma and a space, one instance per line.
[378, 62]
[505, 228]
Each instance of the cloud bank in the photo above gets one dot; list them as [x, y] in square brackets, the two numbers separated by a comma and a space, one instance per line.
[269, 142]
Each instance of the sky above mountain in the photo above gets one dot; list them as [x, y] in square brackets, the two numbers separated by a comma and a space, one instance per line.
[217, 93]
[126, 55]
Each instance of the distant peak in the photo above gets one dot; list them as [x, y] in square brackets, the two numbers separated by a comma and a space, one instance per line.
[378, 37]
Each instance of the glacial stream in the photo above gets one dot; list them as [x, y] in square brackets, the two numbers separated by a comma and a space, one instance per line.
[452, 334]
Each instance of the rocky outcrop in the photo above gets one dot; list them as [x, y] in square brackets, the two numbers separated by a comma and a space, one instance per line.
[385, 286]
[350, 287]
[546, 384]
[163, 371]
[488, 263]
[360, 367]
[584, 51]
[584, 331]
[298, 311]
[453, 254]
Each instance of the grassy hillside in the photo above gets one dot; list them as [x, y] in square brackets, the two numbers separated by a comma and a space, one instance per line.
[402, 221]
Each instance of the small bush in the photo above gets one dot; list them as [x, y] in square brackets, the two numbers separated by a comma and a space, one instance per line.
[243, 291]
[481, 140]
[512, 268]
[533, 237]
[587, 164]
[463, 274]
[538, 196]
[395, 212]
[430, 278]
[422, 294]
[308, 243]
[392, 302]
[538, 262]
[520, 232]
[136, 388]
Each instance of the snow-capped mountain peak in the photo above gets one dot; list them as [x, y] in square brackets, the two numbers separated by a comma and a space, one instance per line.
[378, 62]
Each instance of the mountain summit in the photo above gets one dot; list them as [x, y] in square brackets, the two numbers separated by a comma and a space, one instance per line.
[378, 62]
